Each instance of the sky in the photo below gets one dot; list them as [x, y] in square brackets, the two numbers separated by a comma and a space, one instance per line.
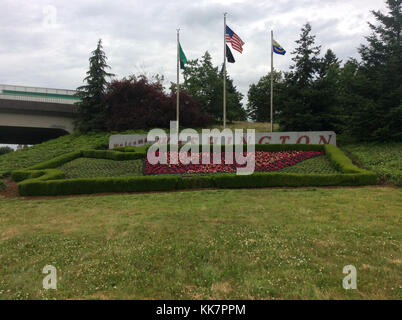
[47, 43]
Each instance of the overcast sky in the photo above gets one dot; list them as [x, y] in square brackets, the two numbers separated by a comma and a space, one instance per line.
[48, 43]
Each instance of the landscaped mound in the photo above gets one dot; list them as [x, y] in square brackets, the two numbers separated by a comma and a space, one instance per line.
[203, 162]
[276, 165]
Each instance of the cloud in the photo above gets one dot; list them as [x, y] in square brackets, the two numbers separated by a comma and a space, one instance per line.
[48, 43]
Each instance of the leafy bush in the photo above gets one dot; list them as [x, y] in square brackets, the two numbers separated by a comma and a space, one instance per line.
[339, 160]
[96, 185]
[277, 179]
[4, 150]
[113, 155]
[2, 185]
[136, 103]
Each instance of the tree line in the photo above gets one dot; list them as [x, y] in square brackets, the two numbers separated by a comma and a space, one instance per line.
[361, 99]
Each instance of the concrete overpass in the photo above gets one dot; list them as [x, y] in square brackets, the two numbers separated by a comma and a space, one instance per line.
[30, 115]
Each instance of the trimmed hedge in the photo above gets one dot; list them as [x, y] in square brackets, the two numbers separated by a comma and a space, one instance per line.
[39, 180]
[36, 187]
[113, 155]
[140, 149]
[339, 160]
[96, 185]
[276, 179]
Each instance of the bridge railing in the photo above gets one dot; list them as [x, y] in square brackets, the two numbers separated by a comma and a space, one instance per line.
[22, 93]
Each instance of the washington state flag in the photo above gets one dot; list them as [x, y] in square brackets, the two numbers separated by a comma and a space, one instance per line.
[183, 59]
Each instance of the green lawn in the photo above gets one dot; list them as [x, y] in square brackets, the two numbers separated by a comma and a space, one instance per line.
[235, 244]
[385, 159]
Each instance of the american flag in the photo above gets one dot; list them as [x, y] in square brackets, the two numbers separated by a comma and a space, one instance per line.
[234, 39]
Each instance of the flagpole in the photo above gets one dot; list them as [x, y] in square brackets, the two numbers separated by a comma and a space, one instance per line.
[224, 70]
[178, 84]
[272, 79]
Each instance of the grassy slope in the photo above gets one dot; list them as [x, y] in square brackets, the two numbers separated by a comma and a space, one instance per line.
[50, 149]
[385, 159]
[272, 243]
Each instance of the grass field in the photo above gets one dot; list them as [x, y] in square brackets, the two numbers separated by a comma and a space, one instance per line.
[385, 159]
[235, 244]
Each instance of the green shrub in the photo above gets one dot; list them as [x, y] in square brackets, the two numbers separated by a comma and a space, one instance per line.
[97, 185]
[113, 155]
[340, 160]
[195, 182]
[140, 149]
[4, 150]
[45, 174]
[276, 179]
[2, 185]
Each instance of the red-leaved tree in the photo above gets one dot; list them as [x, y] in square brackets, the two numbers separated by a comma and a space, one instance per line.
[137, 103]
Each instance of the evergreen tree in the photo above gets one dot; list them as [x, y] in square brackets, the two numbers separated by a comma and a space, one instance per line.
[234, 106]
[326, 109]
[330, 61]
[297, 112]
[204, 82]
[310, 98]
[92, 109]
[380, 79]
[306, 60]
[259, 97]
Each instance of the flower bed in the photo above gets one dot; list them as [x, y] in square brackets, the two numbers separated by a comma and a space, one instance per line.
[264, 162]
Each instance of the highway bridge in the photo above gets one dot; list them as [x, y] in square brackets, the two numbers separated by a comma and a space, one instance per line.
[30, 115]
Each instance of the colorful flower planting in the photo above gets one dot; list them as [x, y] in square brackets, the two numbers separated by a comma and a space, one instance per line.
[203, 162]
